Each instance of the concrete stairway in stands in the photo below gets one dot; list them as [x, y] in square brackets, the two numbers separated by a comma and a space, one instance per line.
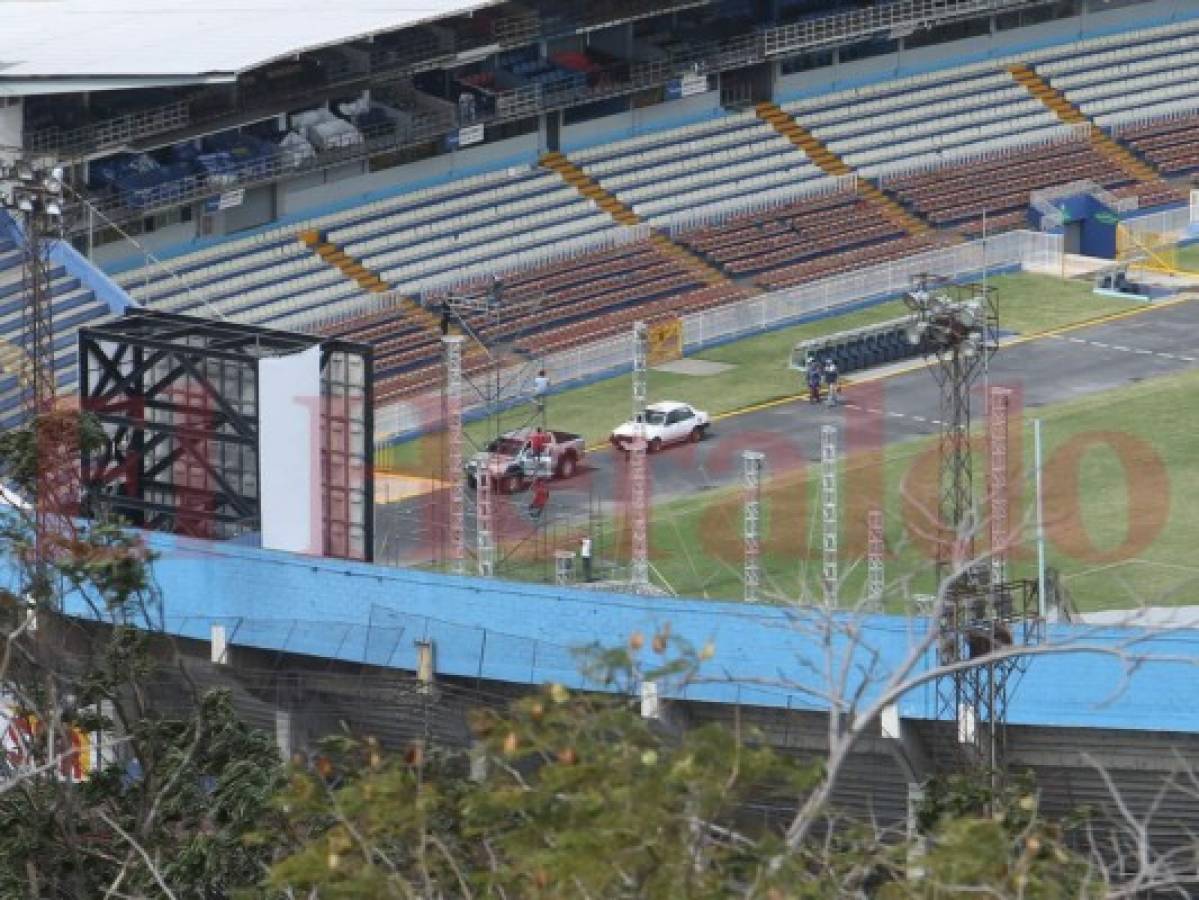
[348, 265]
[366, 279]
[832, 164]
[579, 180]
[1027, 78]
[585, 185]
[802, 138]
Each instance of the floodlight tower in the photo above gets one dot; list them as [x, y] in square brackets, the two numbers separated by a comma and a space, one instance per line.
[956, 326]
[33, 195]
[979, 613]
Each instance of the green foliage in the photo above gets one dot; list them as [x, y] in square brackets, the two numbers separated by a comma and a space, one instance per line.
[581, 797]
[187, 783]
[61, 434]
[576, 795]
[972, 840]
[198, 785]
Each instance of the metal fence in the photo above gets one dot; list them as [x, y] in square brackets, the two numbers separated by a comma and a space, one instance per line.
[868, 21]
[1169, 222]
[1014, 249]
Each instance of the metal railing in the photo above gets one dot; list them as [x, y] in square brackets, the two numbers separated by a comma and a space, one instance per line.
[1052, 217]
[1024, 249]
[131, 204]
[894, 17]
[110, 132]
[1172, 223]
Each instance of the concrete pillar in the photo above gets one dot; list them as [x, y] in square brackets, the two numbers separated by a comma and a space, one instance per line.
[651, 707]
[425, 669]
[283, 733]
[219, 646]
[478, 761]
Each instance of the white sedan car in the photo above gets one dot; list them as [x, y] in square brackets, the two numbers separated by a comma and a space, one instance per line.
[665, 423]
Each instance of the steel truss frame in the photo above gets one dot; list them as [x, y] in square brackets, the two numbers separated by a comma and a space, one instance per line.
[177, 397]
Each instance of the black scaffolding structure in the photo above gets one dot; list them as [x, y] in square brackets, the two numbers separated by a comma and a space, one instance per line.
[178, 399]
[980, 619]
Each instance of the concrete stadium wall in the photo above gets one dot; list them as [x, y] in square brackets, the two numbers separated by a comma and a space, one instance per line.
[526, 633]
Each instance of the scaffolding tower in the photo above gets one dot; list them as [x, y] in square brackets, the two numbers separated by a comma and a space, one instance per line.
[484, 518]
[998, 403]
[753, 461]
[638, 465]
[876, 550]
[829, 574]
[452, 416]
[34, 196]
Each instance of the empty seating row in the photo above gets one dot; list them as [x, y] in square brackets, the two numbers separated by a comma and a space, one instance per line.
[891, 94]
[1171, 144]
[802, 241]
[1000, 187]
[846, 261]
[1146, 74]
[738, 159]
[1116, 48]
[270, 256]
[572, 301]
[927, 120]
[685, 135]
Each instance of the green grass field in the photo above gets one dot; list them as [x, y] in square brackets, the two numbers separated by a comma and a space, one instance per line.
[1188, 258]
[1141, 511]
[1027, 303]
[1121, 525]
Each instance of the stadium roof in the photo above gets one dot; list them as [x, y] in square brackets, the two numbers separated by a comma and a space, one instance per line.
[99, 44]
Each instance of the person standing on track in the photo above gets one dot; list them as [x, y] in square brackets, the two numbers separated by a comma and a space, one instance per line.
[813, 380]
[541, 496]
[831, 380]
[541, 386]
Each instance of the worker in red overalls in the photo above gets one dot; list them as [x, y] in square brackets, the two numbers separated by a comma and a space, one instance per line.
[541, 496]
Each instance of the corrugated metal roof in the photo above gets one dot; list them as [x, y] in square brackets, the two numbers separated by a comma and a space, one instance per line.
[111, 38]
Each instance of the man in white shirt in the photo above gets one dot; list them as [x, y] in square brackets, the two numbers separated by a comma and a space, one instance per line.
[541, 386]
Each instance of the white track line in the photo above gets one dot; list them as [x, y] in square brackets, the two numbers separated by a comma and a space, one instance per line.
[1176, 357]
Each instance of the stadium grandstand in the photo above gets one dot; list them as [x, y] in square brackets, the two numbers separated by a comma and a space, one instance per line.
[344, 171]
[347, 172]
